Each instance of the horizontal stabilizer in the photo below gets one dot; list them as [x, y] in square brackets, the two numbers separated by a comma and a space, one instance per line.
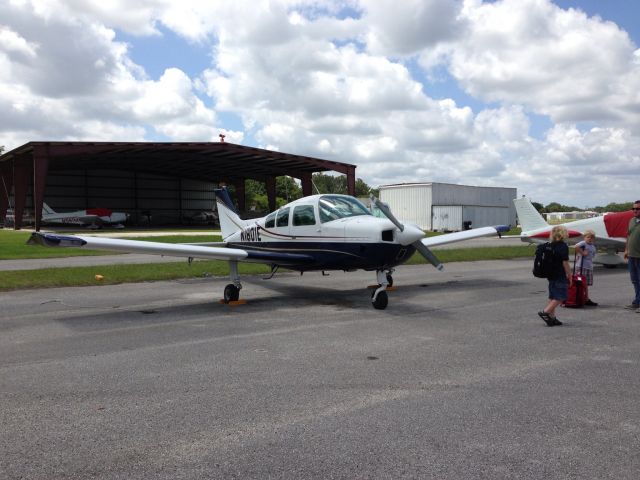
[459, 236]
[138, 246]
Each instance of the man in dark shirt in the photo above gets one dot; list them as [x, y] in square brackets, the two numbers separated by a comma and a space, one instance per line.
[632, 254]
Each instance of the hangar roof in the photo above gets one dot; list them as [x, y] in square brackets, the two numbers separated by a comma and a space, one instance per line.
[198, 160]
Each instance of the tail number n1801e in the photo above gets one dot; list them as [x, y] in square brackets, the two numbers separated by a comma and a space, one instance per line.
[251, 234]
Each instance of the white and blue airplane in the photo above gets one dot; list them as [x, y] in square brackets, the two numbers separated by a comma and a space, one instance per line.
[315, 233]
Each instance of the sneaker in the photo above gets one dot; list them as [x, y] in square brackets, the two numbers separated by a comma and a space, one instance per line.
[555, 321]
[631, 306]
[547, 319]
[590, 303]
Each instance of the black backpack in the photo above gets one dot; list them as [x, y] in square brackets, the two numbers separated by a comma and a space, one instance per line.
[544, 261]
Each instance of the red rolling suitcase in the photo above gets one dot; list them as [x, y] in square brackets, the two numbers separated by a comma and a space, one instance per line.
[578, 290]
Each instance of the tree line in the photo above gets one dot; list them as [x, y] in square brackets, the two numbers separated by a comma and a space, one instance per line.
[288, 190]
[558, 207]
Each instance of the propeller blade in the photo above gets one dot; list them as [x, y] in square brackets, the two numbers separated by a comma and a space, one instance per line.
[426, 253]
[384, 208]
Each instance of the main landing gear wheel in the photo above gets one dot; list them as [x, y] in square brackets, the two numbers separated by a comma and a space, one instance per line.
[231, 293]
[381, 301]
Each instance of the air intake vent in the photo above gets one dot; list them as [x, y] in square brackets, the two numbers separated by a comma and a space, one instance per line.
[387, 235]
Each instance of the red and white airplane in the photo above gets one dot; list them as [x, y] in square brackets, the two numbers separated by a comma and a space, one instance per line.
[315, 233]
[610, 230]
[91, 217]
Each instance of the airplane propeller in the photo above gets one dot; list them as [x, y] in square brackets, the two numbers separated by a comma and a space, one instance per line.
[384, 208]
[419, 246]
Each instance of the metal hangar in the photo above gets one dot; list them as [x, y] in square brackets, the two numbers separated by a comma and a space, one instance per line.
[450, 207]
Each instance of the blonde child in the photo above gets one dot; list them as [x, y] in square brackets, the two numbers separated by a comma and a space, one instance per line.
[585, 251]
[560, 278]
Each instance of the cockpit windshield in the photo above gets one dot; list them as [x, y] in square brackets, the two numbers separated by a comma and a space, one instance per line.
[334, 207]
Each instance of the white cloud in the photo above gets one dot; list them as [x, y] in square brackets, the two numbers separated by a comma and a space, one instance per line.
[411, 26]
[12, 43]
[556, 62]
[344, 80]
[65, 76]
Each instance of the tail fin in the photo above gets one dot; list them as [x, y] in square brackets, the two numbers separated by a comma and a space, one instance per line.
[47, 209]
[529, 217]
[229, 220]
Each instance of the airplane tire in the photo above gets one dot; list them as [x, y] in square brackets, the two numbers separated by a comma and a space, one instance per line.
[381, 301]
[231, 293]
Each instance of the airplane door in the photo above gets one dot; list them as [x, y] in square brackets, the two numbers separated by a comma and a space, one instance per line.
[304, 224]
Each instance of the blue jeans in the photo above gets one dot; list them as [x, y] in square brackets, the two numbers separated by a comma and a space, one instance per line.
[634, 271]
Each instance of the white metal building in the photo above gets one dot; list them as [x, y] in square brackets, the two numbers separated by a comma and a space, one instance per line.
[449, 207]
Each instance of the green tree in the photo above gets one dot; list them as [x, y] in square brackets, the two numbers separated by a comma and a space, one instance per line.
[539, 207]
[254, 187]
[362, 189]
[338, 184]
[287, 189]
[558, 207]
[615, 207]
[329, 183]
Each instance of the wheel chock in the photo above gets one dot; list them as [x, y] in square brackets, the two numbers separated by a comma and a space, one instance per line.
[232, 303]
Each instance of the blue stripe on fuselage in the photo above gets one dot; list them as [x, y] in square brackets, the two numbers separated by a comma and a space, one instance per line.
[327, 255]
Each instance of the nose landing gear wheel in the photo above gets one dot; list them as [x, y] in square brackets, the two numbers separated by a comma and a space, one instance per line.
[231, 293]
[381, 301]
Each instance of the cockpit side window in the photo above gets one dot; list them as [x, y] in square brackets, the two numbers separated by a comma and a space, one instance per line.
[270, 221]
[334, 207]
[303, 215]
[282, 220]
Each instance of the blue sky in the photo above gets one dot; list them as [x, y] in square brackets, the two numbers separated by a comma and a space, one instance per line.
[532, 94]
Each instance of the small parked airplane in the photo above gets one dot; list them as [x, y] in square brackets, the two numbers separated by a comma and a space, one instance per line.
[610, 230]
[315, 233]
[91, 217]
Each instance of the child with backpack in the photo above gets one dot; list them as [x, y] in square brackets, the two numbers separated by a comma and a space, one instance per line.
[558, 274]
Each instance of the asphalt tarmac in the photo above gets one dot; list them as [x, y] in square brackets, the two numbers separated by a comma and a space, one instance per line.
[458, 378]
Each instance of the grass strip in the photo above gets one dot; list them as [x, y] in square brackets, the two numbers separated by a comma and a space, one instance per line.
[13, 245]
[115, 274]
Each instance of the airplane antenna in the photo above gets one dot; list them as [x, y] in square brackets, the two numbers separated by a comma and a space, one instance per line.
[314, 185]
[6, 190]
[222, 135]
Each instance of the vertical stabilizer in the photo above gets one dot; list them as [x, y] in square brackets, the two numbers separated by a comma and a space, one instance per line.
[47, 210]
[528, 216]
[229, 220]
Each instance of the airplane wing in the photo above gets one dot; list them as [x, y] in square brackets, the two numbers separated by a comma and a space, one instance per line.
[168, 249]
[610, 242]
[463, 235]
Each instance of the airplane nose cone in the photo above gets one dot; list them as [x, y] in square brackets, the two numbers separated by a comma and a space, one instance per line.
[409, 235]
